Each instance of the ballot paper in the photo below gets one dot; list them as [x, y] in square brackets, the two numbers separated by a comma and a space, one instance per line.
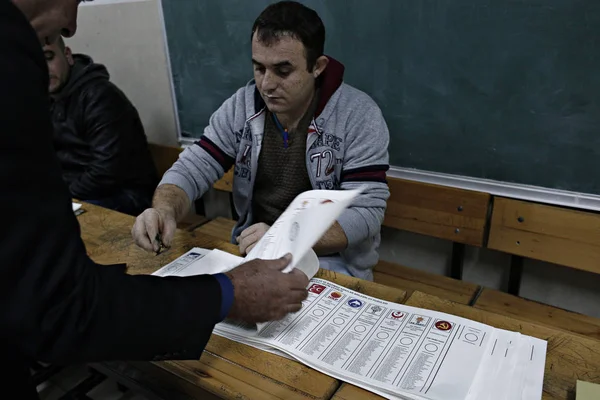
[393, 350]
[302, 224]
[77, 208]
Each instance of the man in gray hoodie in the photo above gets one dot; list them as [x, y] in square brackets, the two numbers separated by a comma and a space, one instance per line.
[295, 127]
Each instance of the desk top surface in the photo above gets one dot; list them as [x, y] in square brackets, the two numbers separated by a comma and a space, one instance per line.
[233, 370]
[229, 369]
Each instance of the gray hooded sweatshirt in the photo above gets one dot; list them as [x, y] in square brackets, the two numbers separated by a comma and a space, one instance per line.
[347, 147]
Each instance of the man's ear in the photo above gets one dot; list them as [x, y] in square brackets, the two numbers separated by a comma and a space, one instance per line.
[320, 66]
[69, 56]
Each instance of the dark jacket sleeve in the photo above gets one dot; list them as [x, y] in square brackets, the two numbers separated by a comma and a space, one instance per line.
[63, 308]
[108, 120]
[56, 305]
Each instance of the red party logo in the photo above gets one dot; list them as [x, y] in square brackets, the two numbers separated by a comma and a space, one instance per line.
[397, 314]
[335, 295]
[443, 325]
[318, 289]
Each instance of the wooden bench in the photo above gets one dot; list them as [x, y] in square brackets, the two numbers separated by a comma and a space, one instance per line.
[527, 310]
[457, 215]
[447, 213]
[163, 156]
[547, 233]
[411, 280]
[553, 234]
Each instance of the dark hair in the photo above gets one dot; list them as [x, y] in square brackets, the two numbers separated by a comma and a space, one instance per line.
[296, 20]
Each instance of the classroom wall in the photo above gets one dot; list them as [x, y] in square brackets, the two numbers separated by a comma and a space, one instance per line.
[128, 37]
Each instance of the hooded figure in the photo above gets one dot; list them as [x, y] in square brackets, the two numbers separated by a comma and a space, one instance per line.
[98, 135]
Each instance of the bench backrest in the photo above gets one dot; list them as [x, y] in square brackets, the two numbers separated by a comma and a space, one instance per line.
[548, 233]
[447, 213]
[164, 156]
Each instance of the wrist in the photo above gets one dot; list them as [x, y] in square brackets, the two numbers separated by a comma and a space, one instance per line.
[233, 306]
[229, 275]
[166, 212]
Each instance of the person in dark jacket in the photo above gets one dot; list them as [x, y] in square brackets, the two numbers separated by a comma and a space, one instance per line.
[56, 305]
[98, 135]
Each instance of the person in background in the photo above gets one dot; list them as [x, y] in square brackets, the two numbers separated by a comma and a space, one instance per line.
[56, 305]
[295, 127]
[98, 135]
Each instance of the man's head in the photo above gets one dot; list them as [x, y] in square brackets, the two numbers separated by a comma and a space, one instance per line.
[60, 60]
[287, 52]
[50, 18]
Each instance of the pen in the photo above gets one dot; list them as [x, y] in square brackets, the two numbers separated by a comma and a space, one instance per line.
[161, 245]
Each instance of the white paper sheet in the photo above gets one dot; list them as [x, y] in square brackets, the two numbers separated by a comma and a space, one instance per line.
[397, 351]
[301, 226]
[534, 380]
[513, 368]
[394, 350]
[200, 262]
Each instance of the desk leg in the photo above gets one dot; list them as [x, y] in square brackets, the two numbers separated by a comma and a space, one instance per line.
[458, 258]
[514, 277]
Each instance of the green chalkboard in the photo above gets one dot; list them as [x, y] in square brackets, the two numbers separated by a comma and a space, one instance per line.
[499, 89]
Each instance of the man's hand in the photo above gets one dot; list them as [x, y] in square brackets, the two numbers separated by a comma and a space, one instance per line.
[250, 236]
[151, 225]
[263, 293]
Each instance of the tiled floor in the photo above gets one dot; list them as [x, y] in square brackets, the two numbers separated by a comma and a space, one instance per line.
[68, 378]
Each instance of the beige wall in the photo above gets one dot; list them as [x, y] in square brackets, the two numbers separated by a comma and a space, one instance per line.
[128, 37]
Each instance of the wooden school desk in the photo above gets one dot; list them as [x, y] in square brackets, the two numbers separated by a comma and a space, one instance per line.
[227, 369]
[231, 370]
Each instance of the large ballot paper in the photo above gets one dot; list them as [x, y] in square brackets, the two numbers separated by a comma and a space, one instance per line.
[394, 350]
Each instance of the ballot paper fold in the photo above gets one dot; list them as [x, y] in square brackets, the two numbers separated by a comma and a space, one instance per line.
[301, 226]
[396, 351]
